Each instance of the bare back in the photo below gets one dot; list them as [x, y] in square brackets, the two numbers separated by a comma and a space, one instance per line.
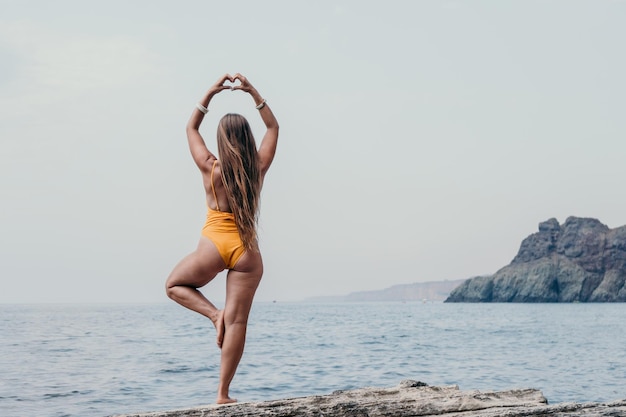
[214, 187]
[212, 180]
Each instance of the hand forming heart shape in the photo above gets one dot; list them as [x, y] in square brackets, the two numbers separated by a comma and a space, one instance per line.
[232, 84]
[232, 81]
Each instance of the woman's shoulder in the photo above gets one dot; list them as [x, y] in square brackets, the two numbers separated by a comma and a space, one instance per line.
[210, 164]
[211, 171]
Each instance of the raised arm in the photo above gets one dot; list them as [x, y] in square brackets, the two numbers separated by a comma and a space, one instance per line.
[200, 153]
[267, 149]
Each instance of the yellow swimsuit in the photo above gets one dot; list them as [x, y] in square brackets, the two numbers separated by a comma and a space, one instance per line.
[221, 229]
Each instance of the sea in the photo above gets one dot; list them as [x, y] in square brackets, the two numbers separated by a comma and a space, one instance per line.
[108, 359]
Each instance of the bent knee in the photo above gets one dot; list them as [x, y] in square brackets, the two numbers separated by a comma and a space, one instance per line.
[171, 285]
[169, 288]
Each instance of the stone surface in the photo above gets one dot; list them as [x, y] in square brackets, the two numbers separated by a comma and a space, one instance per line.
[580, 261]
[409, 398]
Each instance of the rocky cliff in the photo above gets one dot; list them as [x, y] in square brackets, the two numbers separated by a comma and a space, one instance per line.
[581, 260]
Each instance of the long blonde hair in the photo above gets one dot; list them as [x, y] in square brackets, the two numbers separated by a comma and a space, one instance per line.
[241, 176]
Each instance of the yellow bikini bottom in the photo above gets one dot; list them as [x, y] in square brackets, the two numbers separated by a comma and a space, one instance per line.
[221, 229]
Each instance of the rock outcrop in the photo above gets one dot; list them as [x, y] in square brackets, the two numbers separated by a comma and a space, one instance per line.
[580, 261]
[410, 398]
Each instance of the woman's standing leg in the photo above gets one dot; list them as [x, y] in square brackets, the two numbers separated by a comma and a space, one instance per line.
[241, 285]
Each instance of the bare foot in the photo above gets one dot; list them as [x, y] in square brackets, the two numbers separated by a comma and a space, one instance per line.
[226, 400]
[219, 326]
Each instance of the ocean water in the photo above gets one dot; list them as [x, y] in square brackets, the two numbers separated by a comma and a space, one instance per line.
[100, 360]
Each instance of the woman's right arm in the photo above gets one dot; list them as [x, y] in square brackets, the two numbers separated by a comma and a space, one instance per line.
[199, 152]
[267, 149]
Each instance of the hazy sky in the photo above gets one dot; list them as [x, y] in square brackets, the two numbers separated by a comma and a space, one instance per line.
[420, 140]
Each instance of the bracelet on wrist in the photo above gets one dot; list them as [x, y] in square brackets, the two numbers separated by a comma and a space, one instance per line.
[203, 109]
[260, 106]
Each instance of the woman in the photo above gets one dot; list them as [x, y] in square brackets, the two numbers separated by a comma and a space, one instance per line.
[232, 185]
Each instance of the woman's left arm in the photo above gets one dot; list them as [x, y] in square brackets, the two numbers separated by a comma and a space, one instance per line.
[199, 152]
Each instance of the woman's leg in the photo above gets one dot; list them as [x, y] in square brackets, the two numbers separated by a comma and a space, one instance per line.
[194, 271]
[241, 284]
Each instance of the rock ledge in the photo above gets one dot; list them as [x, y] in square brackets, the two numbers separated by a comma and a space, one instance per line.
[409, 398]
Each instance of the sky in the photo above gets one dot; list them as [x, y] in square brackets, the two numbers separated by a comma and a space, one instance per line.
[420, 140]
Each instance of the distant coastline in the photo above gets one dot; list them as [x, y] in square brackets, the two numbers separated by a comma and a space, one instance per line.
[419, 291]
